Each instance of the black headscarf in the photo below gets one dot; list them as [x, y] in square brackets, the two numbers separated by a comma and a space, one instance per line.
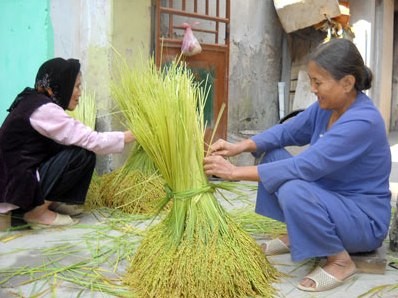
[59, 75]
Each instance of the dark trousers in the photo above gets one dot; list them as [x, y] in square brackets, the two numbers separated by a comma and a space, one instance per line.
[66, 176]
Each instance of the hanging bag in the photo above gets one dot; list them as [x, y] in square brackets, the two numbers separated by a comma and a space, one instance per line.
[190, 45]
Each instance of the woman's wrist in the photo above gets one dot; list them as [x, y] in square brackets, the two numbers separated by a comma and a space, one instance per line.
[248, 173]
[128, 137]
[247, 145]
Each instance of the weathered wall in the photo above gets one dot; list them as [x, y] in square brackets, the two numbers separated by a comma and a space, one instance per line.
[373, 26]
[26, 42]
[88, 30]
[83, 31]
[255, 66]
[394, 96]
[384, 56]
[256, 39]
[131, 34]
[131, 37]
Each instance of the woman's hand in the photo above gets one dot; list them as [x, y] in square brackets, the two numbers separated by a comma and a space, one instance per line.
[215, 164]
[223, 148]
[128, 137]
[218, 166]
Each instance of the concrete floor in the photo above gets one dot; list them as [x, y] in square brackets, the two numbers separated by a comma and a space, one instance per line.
[86, 252]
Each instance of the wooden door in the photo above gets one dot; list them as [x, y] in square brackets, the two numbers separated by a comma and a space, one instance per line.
[210, 25]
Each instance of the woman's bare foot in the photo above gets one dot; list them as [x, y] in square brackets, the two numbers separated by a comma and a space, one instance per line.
[41, 215]
[340, 266]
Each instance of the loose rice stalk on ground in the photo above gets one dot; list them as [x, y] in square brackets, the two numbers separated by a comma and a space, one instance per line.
[197, 250]
[92, 263]
[257, 225]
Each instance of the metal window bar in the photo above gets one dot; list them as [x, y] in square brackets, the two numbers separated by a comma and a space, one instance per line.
[170, 10]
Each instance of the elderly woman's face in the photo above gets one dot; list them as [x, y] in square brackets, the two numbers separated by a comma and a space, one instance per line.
[331, 93]
[74, 100]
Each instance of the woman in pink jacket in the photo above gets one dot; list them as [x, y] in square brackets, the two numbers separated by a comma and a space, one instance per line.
[46, 157]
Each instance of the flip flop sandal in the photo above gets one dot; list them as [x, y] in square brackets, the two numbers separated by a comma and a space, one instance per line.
[323, 281]
[275, 247]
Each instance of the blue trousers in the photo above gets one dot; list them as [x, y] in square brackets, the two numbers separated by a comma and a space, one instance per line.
[319, 222]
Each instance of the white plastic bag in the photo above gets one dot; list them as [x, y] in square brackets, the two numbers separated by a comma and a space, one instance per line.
[190, 45]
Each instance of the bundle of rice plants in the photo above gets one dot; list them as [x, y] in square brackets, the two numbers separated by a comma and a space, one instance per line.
[134, 188]
[197, 250]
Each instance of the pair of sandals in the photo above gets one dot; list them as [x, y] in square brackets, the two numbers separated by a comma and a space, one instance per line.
[322, 279]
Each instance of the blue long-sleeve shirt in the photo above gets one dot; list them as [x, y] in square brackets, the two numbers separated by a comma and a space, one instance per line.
[351, 158]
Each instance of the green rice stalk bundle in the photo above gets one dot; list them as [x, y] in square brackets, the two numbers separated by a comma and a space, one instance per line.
[139, 160]
[132, 192]
[197, 250]
[135, 188]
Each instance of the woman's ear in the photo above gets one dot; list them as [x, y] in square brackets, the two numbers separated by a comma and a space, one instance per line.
[348, 82]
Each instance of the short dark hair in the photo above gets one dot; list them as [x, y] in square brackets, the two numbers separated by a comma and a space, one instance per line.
[341, 57]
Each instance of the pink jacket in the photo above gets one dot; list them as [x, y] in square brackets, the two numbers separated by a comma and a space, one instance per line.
[51, 121]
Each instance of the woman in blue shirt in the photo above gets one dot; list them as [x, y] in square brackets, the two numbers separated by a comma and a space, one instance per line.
[334, 196]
